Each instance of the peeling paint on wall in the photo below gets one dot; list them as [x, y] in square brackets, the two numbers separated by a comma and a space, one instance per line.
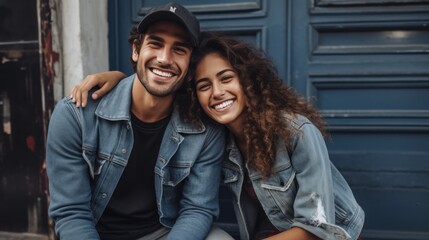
[51, 72]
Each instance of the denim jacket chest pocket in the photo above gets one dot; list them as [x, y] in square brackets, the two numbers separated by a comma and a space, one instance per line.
[95, 162]
[173, 175]
[231, 175]
[278, 191]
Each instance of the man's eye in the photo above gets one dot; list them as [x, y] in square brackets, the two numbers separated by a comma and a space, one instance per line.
[181, 50]
[154, 44]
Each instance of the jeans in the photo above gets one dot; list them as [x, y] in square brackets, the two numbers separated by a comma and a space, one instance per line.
[215, 233]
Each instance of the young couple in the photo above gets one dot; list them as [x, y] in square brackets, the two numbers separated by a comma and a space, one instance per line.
[276, 164]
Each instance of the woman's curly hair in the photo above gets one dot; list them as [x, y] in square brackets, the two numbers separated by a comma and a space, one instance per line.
[268, 99]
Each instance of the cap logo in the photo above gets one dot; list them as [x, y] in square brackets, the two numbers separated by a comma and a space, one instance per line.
[172, 9]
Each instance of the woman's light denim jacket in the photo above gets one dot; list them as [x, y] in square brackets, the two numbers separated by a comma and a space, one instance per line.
[88, 149]
[305, 189]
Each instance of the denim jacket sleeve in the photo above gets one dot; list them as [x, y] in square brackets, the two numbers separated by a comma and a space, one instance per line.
[199, 204]
[68, 173]
[314, 203]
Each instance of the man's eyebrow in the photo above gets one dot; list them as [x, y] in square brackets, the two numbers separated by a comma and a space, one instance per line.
[185, 44]
[156, 38]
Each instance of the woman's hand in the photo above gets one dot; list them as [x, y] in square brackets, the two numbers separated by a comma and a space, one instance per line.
[105, 80]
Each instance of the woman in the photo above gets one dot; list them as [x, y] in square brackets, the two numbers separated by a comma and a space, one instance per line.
[277, 166]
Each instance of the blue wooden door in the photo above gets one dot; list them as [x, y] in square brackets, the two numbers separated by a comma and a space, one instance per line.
[364, 64]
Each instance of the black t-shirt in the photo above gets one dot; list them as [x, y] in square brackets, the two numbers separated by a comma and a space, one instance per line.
[132, 211]
[264, 228]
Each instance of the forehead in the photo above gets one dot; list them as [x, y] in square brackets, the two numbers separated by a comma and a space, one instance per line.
[171, 29]
[212, 65]
[214, 60]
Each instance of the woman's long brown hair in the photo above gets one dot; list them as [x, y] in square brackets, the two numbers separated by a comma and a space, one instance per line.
[268, 99]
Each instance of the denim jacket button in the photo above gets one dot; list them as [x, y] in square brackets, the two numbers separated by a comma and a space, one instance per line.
[103, 195]
[124, 150]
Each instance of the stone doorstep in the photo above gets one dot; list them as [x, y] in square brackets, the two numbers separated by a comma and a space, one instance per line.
[22, 236]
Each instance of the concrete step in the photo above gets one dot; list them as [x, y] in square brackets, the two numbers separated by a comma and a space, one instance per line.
[22, 236]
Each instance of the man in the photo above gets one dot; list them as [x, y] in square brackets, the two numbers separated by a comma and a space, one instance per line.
[128, 166]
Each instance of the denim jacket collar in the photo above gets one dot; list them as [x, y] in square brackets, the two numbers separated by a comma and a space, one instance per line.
[115, 107]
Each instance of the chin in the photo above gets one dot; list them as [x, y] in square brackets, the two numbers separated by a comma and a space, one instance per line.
[222, 121]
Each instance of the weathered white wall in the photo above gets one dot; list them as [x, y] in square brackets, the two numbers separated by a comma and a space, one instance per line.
[84, 40]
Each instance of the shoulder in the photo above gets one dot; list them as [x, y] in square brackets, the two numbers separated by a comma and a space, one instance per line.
[296, 121]
[64, 108]
[302, 129]
[211, 124]
[66, 112]
[201, 126]
[66, 120]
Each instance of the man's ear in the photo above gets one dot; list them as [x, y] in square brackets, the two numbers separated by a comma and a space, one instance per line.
[135, 55]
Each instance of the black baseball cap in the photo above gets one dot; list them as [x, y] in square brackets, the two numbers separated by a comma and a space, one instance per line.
[172, 12]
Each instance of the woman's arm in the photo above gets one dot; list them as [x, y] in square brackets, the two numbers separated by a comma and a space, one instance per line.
[314, 207]
[105, 80]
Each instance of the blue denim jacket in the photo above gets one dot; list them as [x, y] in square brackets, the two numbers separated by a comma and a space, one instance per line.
[88, 149]
[306, 190]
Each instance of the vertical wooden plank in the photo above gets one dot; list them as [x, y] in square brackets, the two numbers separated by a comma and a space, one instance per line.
[50, 73]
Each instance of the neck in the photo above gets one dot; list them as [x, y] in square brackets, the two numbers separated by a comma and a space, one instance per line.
[149, 108]
[237, 129]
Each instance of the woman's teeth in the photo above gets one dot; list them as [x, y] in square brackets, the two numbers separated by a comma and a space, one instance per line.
[223, 105]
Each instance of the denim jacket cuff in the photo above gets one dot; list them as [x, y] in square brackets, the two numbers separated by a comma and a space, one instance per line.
[325, 231]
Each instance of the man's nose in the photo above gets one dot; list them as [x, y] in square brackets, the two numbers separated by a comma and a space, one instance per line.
[165, 56]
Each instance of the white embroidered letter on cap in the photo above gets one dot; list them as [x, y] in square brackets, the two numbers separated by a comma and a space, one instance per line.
[172, 9]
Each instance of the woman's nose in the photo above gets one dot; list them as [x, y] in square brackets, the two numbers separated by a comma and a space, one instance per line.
[218, 90]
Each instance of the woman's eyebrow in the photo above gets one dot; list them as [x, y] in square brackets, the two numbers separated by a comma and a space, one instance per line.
[201, 80]
[223, 71]
[217, 75]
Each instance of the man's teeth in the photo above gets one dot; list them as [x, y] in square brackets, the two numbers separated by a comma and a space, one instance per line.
[223, 105]
[161, 73]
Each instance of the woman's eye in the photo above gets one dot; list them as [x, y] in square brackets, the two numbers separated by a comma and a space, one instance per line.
[203, 87]
[226, 78]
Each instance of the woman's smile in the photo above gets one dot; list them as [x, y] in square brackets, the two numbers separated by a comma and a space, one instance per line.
[223, 105]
